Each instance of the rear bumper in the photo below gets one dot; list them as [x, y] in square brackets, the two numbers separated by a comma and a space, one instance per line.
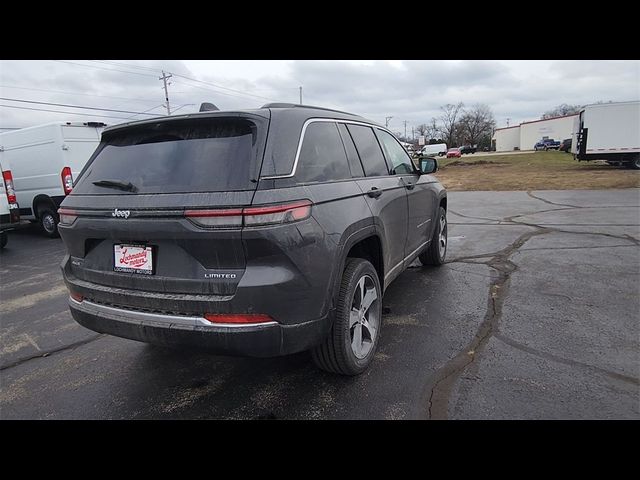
[256, 340]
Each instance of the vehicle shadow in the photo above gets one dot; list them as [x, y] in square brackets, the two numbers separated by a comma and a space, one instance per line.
[196, 384]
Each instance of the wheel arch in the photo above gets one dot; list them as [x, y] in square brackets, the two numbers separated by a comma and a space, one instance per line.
[40, 200]
[364, 243]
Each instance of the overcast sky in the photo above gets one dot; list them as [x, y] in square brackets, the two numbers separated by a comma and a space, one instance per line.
[406, 90]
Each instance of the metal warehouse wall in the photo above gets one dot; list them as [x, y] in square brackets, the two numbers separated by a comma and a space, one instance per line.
[507, 139]
[556, 128]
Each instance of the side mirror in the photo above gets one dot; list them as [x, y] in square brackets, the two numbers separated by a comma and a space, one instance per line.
[428, 165]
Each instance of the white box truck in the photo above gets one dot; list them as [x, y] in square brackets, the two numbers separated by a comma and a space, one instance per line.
[608, 131]
[44, 161]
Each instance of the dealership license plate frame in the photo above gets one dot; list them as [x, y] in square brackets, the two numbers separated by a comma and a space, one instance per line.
[132, 249]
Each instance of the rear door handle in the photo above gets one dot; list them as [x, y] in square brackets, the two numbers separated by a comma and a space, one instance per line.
[374, 192]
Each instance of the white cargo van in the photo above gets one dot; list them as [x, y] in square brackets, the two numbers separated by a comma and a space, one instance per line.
[608, 131]
[435, 149]
[9, 212]
[44, 161]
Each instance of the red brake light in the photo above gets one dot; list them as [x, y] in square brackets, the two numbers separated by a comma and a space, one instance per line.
[8, 184]
[67, 180]
[243, 318]
[251, 216]
[67, 217]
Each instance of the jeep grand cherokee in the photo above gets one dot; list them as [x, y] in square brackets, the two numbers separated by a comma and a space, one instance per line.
[261, 232]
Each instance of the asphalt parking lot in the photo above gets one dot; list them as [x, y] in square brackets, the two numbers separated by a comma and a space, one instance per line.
[536, 315]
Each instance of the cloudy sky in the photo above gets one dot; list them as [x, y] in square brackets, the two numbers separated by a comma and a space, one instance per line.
[405, 90]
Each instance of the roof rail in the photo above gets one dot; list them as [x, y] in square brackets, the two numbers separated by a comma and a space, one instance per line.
[297, 105]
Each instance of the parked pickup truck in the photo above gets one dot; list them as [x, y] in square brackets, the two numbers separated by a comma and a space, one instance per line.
[467, 149]
[547, 144]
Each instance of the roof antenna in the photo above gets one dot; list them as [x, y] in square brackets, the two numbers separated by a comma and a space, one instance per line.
[208, 107]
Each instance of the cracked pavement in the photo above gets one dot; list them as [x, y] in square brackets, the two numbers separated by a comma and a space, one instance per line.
[536, 315]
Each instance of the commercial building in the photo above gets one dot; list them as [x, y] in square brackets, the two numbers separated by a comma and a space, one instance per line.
[527, 134]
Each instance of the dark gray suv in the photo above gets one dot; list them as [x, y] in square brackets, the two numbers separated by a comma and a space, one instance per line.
[260, 232]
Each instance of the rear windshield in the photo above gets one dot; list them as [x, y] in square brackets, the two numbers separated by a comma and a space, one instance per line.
[206, 155]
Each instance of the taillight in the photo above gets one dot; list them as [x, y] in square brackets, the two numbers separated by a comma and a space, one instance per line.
[67, 217]
[67, 180]
[275, 214]
[8, 184]
[243, 318]
[251, 216]
[230, 217]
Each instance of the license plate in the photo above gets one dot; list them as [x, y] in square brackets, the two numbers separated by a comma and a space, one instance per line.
[133, 259]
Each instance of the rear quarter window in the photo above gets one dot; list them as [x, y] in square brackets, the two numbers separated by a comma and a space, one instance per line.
[322, 155]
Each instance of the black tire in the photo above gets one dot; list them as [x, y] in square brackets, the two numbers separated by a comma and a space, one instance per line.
[435, 255]
[336, 354]
[4, 238]
[635, 163]
[49, 221]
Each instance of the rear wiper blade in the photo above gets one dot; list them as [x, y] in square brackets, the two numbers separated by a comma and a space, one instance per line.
[128, 187]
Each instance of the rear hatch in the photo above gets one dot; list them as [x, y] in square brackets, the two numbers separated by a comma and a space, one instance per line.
[149, 210]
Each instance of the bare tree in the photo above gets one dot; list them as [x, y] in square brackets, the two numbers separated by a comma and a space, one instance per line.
[449, 121]
[475, 124]
[433, 131]
[422, 129]
[561, 111]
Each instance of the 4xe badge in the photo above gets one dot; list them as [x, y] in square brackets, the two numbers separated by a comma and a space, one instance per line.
[121, 213]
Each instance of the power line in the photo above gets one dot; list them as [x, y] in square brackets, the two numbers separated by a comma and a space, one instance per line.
[181, 106]
[224, 88]
[103, 68]
[74, 113]
[175, 74]
[140, 67]
[188, 78]
[60, 111]
[75, 106]
[80, 94]
[153, 108]
[209, 90]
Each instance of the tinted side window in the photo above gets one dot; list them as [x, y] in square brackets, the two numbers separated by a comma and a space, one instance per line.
[369, 150]
[352, 153]
[397, 156]
[322, 157]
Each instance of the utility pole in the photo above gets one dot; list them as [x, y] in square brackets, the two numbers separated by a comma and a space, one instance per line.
[164, 79]
[386, 121]
[405, 130]
[300, 87]
[508, 121]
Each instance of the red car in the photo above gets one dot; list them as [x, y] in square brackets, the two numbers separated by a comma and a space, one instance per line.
[454, 152]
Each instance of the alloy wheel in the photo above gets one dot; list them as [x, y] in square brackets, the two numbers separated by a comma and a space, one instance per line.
[442, 238]
[364, 321]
